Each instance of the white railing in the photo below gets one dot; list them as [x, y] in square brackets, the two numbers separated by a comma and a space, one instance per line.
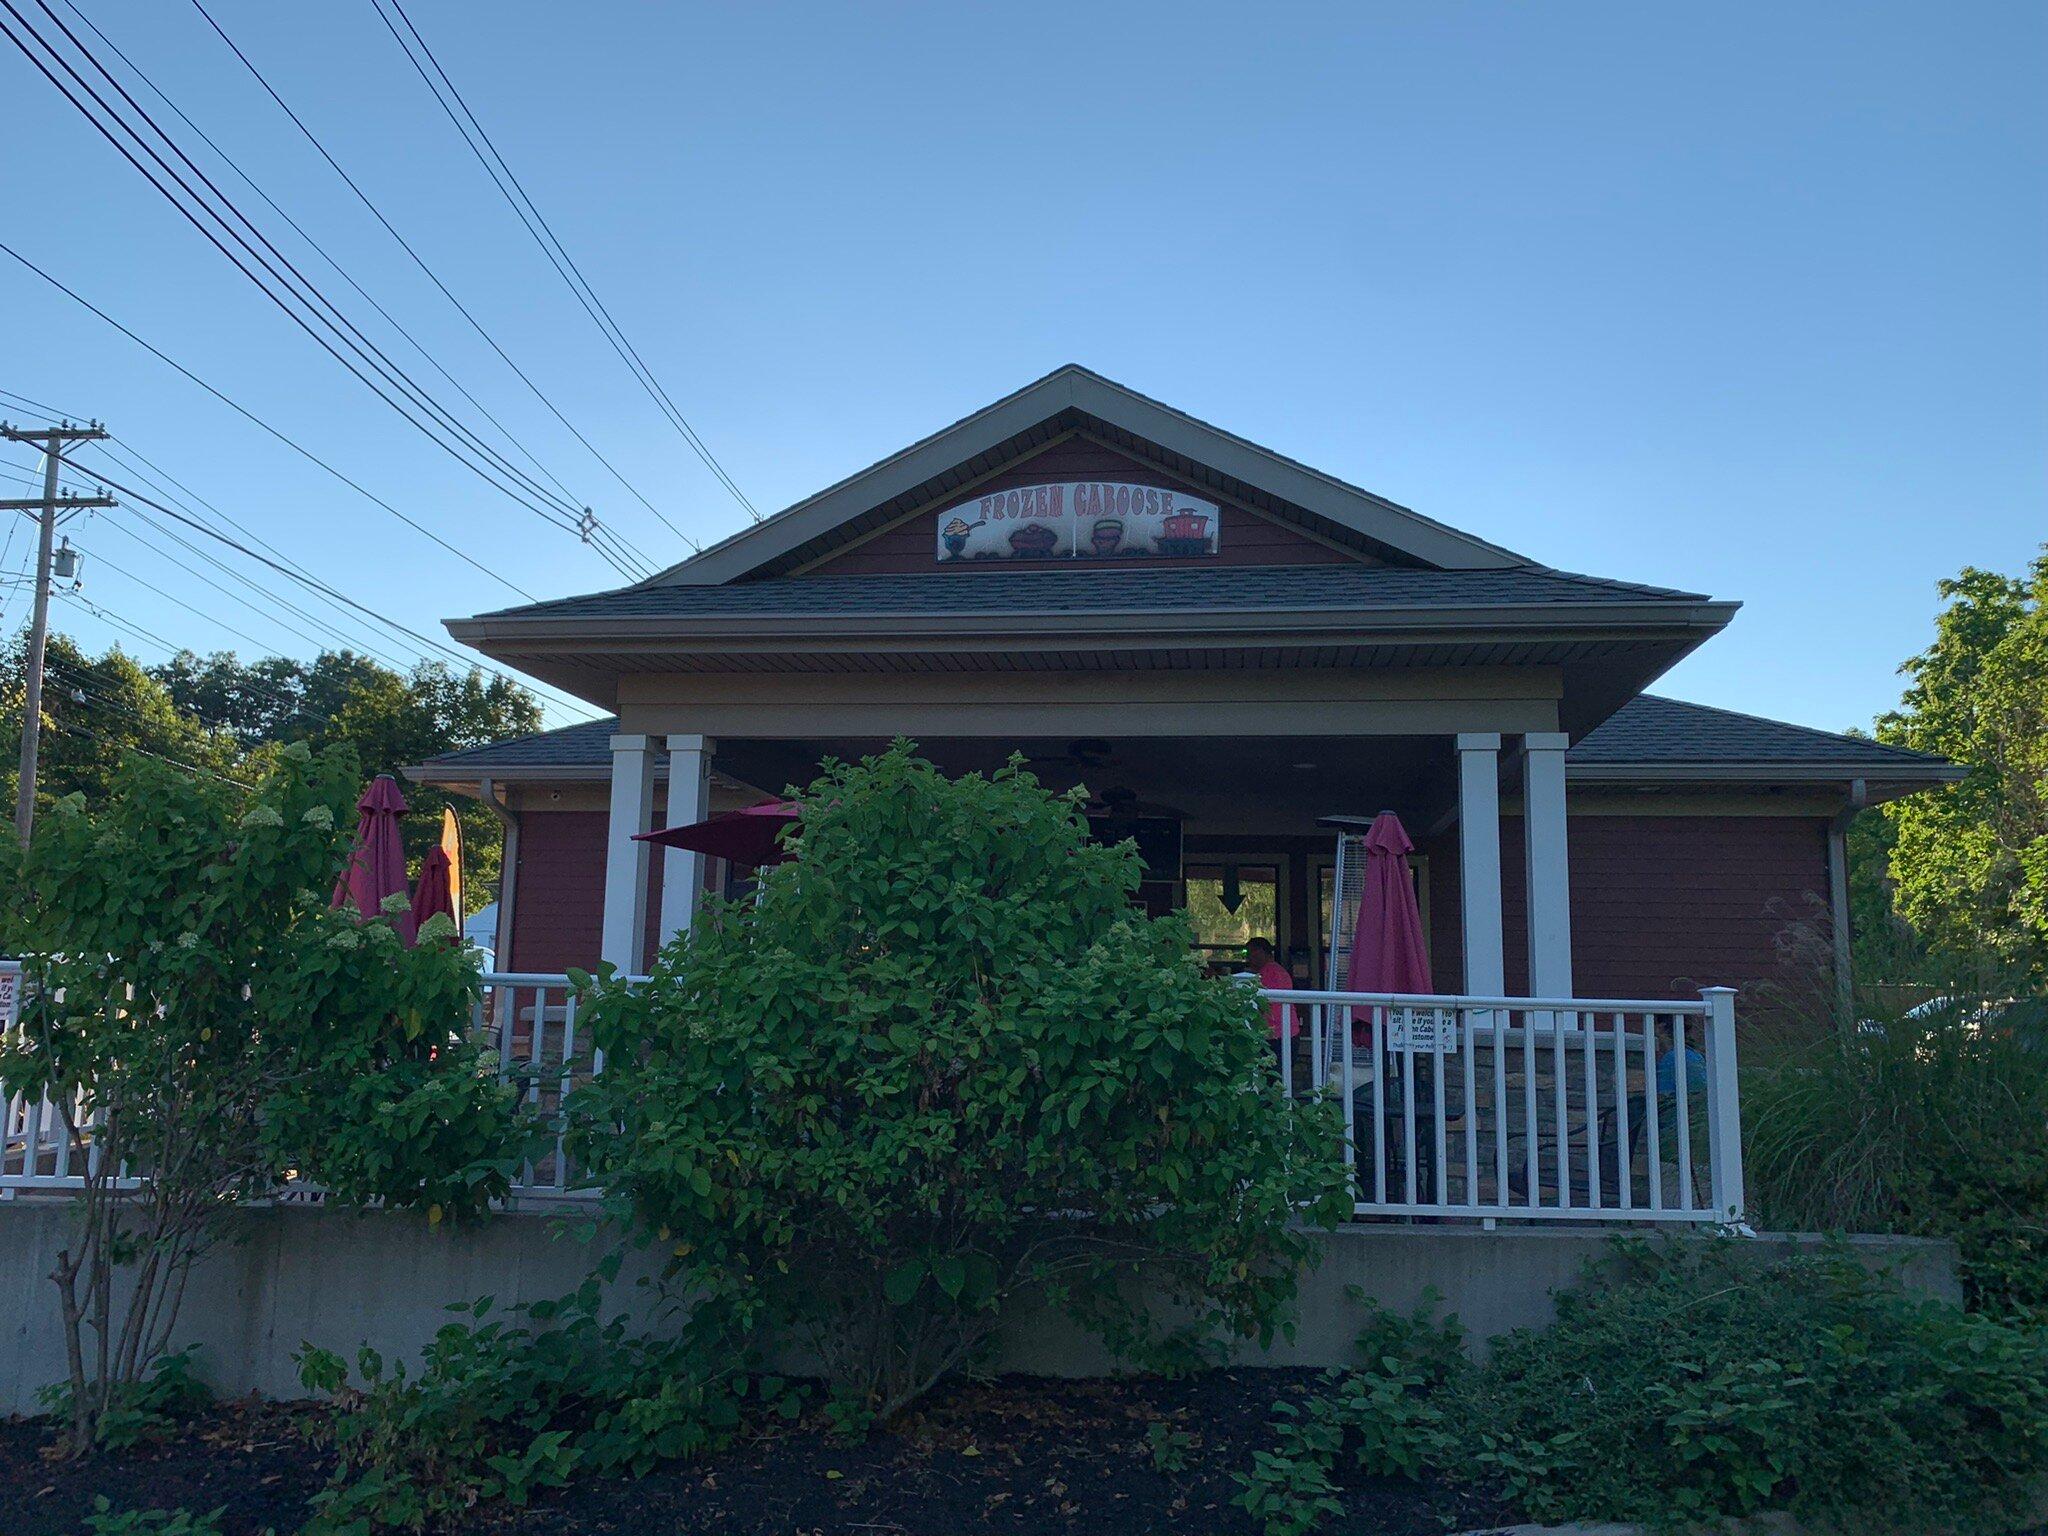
[1472, 1108]
[528, 1020]
[35, 1152]
[1528, 1109]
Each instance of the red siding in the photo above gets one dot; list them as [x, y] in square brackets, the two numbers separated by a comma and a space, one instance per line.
[558, 897]
[1661, 905]
[1245, 538]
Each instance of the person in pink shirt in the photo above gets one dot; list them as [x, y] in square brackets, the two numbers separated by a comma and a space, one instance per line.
[1260, 959]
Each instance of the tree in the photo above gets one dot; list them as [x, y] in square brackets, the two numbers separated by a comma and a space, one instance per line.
[391, 719]
[95, 711]
[943, 1063]
[266, 700]
[203, 1027]
[1969, 865]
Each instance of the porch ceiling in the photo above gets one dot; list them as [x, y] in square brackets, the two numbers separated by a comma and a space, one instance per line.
[1220, 784]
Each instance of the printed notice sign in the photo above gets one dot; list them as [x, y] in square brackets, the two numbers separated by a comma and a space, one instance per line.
[1422, 1028]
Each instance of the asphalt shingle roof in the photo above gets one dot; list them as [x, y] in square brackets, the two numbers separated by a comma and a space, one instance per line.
[1096, 590]
[1651, 729]
[572, 746]
[1646, 730]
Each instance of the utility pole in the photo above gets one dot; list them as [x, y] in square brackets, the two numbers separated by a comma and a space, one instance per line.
[52, 441]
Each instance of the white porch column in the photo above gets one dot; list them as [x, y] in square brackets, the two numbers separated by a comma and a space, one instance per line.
[625, 861]
[1479, 861]
[1547, 864]
[689, 799]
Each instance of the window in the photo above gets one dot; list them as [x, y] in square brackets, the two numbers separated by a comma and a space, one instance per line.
[1220, 931]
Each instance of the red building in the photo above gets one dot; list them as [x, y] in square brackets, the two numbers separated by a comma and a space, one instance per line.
[1225, 647]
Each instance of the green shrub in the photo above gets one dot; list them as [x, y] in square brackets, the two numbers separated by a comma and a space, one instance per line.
[1289, 1490]
[942, 1063]
[1687, 1383]
[1393, 1416]
[499, 1409]
[141, 1410]
[1931, 1121]
[1697, 1381]
[105, 1520]
[1169, 1447]
[186, 977]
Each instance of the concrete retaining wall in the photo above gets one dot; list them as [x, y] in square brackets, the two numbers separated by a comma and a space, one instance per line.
[299, 1275]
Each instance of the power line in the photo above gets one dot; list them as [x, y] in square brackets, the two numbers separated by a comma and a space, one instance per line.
[284, 705]
[74, 728]
[246, 413]
[273, 698]
[354, 642]
[312, 298]
[431, 275]
[79, 686]
[20, 479]
[317, 584]
[113, 115]
[128, 450]
[300, 230]
[340, 602]
[404, 395]
[99, 611]
[334, 632]
[551, 246]
[312, 640]
[199, 613]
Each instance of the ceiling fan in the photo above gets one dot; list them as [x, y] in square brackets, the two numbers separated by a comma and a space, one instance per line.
[1087, 758]
[1121, 801]
[1082, 753]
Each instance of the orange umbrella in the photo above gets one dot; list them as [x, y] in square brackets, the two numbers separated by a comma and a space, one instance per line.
[451, 845]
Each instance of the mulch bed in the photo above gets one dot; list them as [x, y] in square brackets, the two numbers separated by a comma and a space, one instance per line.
[1016, 1456]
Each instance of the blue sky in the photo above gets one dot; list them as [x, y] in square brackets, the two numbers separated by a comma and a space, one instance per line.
[1746, 298]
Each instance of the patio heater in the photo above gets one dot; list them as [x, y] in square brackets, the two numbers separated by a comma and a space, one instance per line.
[1347, 882]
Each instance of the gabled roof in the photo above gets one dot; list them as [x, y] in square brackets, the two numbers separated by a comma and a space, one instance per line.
[1069, 396]
[1649, 737]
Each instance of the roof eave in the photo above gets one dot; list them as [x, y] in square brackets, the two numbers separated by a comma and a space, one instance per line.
[1932, 772]
[1663, 775]
[1167, 625]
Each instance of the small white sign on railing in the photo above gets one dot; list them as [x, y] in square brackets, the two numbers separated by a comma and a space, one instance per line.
[10, 998]
[1420, 1029]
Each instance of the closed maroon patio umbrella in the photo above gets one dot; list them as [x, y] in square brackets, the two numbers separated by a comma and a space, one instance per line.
[1387, 953]
[376, 869]
[434, 892]
[750, 836]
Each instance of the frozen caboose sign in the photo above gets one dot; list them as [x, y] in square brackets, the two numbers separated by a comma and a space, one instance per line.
[1077, 520]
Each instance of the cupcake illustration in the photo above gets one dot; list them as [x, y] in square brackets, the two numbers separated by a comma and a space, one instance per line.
[1107, 535]
[1034, 541]
[1184, 533]
[955, 536]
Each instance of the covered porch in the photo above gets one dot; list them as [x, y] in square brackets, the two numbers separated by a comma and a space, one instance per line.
[1466, 1102]
[1235, 826]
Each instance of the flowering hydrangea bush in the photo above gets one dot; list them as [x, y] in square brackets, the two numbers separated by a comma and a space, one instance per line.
[198, 1017]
